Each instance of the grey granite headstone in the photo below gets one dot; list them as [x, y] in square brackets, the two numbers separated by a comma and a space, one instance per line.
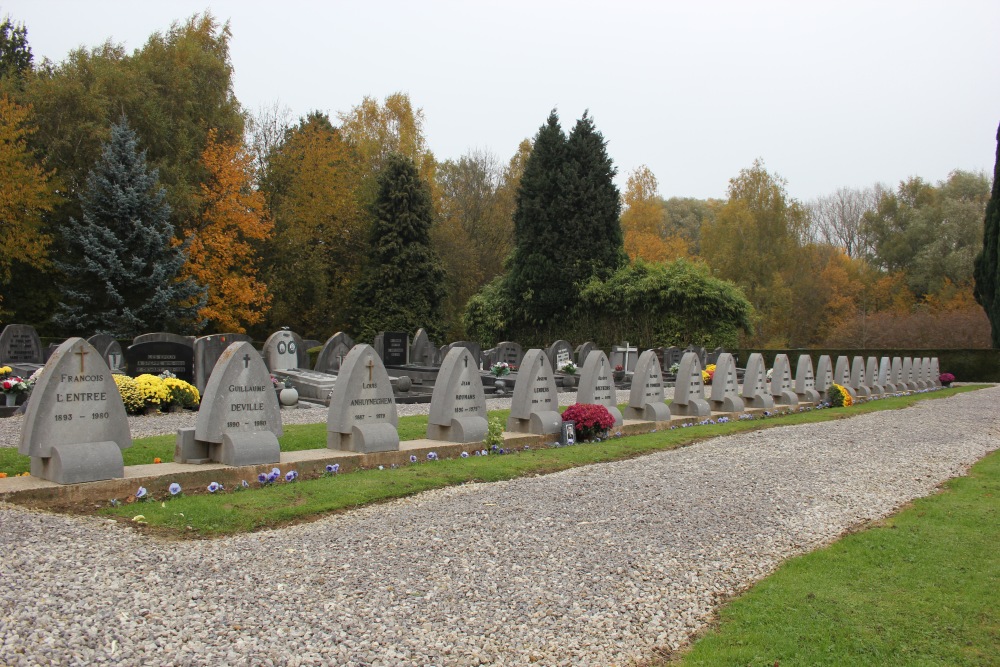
[805, 380]
[671, 356]
[422, 351]
[713, 356]
[935, 371]
[918, 373]
[109, 348]
[207, 351]
[75, 426]
[824, 374]
[284, 350]
[239, 420]
[897, 374]
[362, 415]
[458, 404]
[871, 377]
[908, 380]
[559, 353]
[20, 344]
[475, 348]
[395, 348]
[163, 337]
[334, 352]
[725, 394]
[755, 393]
[156, 356]
[781, 382]
[597, 385]
[646, 399]
[842, 375]
[509, 352]
[857, 378]
[626, 356]
[929, 378]
[884, 378]
[689, 391]
[700, 351]
[583, 350]
[535, 404]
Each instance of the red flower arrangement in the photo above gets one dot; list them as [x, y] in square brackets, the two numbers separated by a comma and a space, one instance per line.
[591, 420]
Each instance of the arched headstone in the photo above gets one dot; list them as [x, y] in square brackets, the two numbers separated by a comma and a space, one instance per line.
[163, 337]
[362, 416]
[858, 378]
[897, 374]
[781, 382]
[597, 386]
[918, 373]
[239, 420]
[755, 393]
[75, 426]
[560, 353]
[535, 404]
[725, 393]
[908, 381]
[583, 350]
[334, 352]
[109, 348]
[824, 374]
[935, 371]
[509, 352]
[646, 399]
[20, 344]
[842, 375]
[929, 379]
[422, 351]
[458, 404]
[207, 351]
[871, 377]
[805, 380]
[285, 350]
[884, 378]
[155, 353]
[700, 351]
[689, 390]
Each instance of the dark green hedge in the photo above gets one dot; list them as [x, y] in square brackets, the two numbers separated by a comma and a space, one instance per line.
[966, 365]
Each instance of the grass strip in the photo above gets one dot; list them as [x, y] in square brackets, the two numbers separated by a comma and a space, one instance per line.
[236, 511]
[919, 588]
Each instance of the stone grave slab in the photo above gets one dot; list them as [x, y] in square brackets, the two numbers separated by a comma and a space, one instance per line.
[559, 353]
[824, 374]
[362, 416]
[671, 356]
[284, 350]
[935, 371]
[163, 337]
[597, 385]
[312, 385]
[646, 398]
[725, 393]
[334, 352]
[75, 426]
[842, 375]
[884, 378]
[584, 349]
[871, 377]
[782, 391]
[21, 349]
[207, 350]
[897, 374]
[475, 348]
[755, 391]
[109, 348]
[458, 404]
[535, 401]
[239, 420]
[626, 356]
[805, 380]
[918, 373]
[908, 381]
[700, 351]
[713, 356]
[395, 348]
[156, 356]
[422, 351]
[857, 381]
[509, 352]
[689, 391]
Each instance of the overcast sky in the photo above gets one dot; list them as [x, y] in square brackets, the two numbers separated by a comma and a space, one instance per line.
[828, 94]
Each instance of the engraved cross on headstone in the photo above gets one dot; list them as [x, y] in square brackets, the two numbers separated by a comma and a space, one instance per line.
[370, 365]
[82, 352]
[246, 361]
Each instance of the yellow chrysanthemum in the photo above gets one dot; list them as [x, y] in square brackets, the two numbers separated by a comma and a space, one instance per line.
[131, 396]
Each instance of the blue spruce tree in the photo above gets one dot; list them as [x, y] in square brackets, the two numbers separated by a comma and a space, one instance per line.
[122, 273]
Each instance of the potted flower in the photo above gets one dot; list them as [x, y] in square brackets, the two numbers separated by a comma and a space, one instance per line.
[500, 369]
[12, 385]
[569, 369]
[946, 379]
[708, 374]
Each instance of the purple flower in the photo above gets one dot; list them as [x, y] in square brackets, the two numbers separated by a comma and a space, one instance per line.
[465, 455]
[336, 467]
[141, 493]
[291, 476]
[484, 452]
[275, 472]
[245, 485]
[174, 489]
[432, 456]
[213, 487]
[262, 478]
[330, 469]
[413, 458]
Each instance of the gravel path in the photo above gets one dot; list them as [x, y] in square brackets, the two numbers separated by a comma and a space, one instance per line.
[593, 566]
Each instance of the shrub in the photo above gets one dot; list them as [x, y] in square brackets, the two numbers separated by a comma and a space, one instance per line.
[591, 420]
[153, 390]
[839, 397]
[182, 393]
[131, 396]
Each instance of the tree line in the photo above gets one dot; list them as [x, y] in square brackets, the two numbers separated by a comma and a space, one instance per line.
[350, 222]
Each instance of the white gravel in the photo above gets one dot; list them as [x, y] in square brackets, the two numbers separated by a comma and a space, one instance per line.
[594, 566]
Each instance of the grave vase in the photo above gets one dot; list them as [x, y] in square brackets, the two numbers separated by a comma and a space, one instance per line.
[288, 396]
[10, 398]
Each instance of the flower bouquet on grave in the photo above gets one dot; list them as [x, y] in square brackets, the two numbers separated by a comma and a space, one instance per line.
[674, 367]
[14, 384]
[569, 368]
[182, 394]
[946, 379]
[592, 421]
[154, 392]
[839, 397]
[500, 369]
[619, 373]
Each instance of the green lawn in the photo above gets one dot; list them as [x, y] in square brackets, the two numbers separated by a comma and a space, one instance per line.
[921, 588]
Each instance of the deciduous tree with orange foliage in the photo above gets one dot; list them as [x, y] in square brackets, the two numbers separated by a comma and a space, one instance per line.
[643, 218]
[26, 195]
[222, 254]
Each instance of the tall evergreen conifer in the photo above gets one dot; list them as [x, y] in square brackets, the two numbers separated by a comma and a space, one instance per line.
[987, 265]
[123, 268]
[402, 287]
